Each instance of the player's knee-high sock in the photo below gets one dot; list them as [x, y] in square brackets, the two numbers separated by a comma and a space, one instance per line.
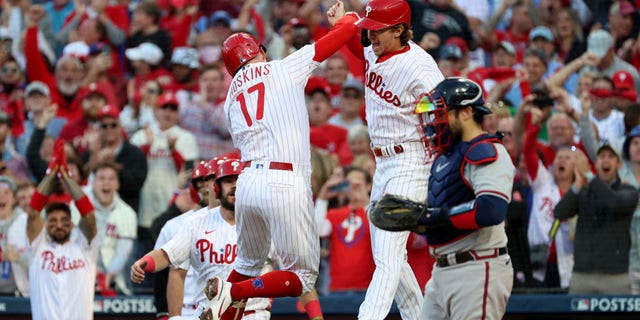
[272, 284]
[314, 311]
[237, 309]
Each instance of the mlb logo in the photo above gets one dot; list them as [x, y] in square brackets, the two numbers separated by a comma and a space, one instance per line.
[97, 306]
[580, 305]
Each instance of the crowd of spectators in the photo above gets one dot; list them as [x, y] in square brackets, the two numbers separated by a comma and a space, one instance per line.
[135, 89]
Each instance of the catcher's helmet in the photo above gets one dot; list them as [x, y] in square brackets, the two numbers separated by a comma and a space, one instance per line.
[238, 49]
[449, 94]
[226, 168]
[380, 14]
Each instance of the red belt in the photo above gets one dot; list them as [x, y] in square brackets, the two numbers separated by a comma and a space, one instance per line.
[274, 165]
[379, 153]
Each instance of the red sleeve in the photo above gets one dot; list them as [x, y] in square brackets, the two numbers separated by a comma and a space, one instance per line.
[119, 17]
[344, 30]
[531, 159]
[36, 66]
[355, 47]
[178, 160]
[181, 32]
[146, 148]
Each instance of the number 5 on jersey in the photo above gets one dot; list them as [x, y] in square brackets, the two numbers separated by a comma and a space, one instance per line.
[259, 87]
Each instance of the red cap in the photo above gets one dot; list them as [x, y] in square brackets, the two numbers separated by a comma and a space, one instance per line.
[168, 98]
[93, 88]
[108, 111]
[622, 80]
[317, 84]
[625, 8]
[601, 93]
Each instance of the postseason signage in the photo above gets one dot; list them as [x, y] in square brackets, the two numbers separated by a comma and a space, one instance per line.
[126, 305]
[606, 304]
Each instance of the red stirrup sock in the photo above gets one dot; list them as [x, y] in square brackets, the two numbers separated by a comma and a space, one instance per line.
[314, 311]
[272, 284]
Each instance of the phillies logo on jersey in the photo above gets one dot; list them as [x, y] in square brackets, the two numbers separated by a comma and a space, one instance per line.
[351, 231]
[376, 83]
[226, 255]
[112, 230]
[60, 264]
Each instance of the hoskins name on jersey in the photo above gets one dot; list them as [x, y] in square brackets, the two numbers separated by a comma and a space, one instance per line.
[61, 264]
[248, 75]
[225, 256]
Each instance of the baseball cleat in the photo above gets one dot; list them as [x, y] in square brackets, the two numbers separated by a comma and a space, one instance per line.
[218, 293]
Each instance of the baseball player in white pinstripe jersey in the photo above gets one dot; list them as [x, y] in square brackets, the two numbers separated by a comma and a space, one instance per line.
[205, 243]
[269, 123]
[397, 71]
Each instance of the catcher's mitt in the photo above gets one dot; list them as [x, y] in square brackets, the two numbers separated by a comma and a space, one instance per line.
[397, 213]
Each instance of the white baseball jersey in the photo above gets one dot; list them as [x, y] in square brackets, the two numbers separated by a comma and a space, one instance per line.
[162, 175]
[545, 197]
[266, 110]
[391, 90]
[392, 87]
[17, 237]
[168, 231]
[207, 244]
[268, 120]
[62, 277]
[117, 230]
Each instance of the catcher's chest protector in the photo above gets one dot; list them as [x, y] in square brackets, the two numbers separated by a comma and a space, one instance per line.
[448, 187]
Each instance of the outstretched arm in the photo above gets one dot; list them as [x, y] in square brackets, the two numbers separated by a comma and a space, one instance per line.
[153, 261]
[343, 31]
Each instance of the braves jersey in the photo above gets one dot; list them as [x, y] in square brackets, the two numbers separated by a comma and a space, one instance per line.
[494, 179]
[62, 277]
[266, 110]
[392, 86]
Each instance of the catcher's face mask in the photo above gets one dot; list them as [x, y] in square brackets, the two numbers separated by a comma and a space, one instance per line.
[434, 128]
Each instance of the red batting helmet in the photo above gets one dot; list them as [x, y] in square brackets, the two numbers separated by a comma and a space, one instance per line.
[380, 14]
[238, 49]
[212, 166]
[198, 172]
[226, 168]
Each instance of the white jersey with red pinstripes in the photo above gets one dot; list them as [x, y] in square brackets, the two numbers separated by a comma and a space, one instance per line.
[266, 111]
[392, 88]
[207, 244]
[168, 231]
[62, 277]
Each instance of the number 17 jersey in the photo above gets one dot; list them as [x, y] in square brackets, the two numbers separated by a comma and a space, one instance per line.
[265, 108]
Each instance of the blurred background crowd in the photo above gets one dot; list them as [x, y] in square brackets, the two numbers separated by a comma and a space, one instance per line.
[140, 85]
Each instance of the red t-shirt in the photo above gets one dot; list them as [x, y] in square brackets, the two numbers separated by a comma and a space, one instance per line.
[328, 137]
[420, 260]
[350, 259]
